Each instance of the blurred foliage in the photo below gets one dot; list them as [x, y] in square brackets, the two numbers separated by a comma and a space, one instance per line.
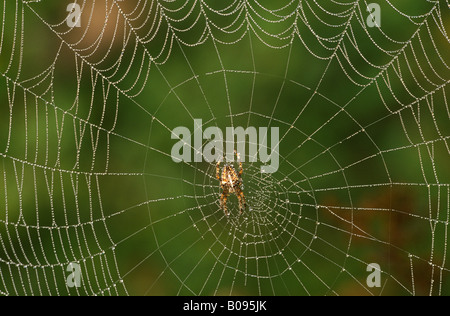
[88, 178]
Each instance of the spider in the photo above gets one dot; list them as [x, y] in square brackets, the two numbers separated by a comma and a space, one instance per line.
[231, 182]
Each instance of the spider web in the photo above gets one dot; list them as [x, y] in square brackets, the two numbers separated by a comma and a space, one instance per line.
[87, 175]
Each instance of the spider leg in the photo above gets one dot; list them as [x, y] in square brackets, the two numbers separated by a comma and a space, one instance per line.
[218, 170]
[241, 170]
[223, 201]
[241, 198]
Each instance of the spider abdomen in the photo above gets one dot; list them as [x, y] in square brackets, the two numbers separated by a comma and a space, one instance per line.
[231, 183]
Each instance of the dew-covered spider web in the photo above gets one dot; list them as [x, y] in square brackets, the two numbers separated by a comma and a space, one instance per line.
[87, 177]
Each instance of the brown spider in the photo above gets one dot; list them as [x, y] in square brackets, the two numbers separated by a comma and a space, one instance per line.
[231, 182]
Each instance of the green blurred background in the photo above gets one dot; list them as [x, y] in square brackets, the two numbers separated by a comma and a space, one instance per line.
[87, 177]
